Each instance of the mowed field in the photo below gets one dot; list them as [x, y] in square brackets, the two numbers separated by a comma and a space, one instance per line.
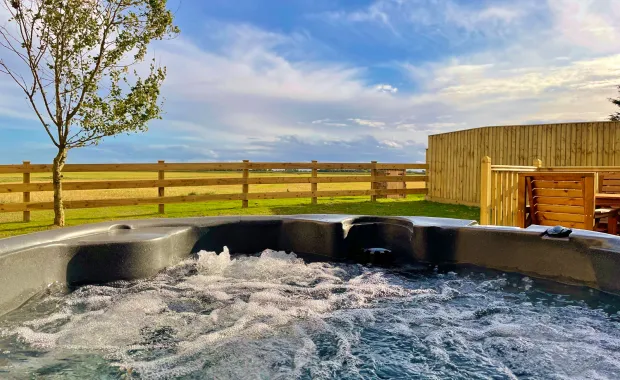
[11, 223]
[171, 191]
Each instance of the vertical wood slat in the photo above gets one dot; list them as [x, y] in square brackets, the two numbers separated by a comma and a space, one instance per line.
[449, 155]
[475, 161]
[470, 162]
[466, 175]
[513, 200]
[583, 142]
[521, 201]
[500, 197]
[508, 199]
[485, 191]
[607, 141]
[427, 159]
[588, 198]
[589, 148]
[465, 172]
[508, 221]
[541, 143]
[245, 188]
[26, 194]
[457, 158]
[431, 168]
[440, 165]
[314, 186]
[504, 206]
[573, 146]
[495, 198]
[373, 184]
[616, 147]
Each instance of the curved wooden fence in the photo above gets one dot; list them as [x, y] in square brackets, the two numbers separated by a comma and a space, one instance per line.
[375, 175]
[455, 157]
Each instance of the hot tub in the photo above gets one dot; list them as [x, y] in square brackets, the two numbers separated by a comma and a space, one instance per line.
[360, 297]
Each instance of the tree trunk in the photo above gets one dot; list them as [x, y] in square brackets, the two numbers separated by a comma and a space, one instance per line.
[59, 210]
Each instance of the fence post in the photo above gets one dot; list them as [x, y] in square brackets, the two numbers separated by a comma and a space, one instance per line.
[485, 191]
[245, 187]
[427, 173]
[161, 190]
[373, 184]
[537, 163]
[314, 185]
[26, 194]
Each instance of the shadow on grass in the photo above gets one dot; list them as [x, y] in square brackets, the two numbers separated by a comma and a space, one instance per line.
[387, 208]
[104, 218]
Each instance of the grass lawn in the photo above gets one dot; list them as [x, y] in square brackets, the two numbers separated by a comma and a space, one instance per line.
[414, 205]
[10, 223]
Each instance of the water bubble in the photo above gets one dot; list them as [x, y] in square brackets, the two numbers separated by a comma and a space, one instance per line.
[272, 315]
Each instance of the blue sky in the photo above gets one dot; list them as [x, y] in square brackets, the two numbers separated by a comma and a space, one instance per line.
[353, 80]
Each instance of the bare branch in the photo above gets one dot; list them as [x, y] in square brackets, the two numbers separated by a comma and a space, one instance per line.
[5, 69]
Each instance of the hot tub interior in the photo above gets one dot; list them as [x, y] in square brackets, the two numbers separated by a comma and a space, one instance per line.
[429, 309]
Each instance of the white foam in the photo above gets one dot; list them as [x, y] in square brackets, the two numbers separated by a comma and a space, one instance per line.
[226, 299]
[274, 316]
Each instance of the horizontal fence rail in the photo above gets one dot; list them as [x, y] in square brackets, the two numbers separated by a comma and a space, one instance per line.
[77, 168]
[384, 179]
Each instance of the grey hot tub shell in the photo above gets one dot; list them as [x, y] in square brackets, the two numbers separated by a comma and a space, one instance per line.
[104, 252]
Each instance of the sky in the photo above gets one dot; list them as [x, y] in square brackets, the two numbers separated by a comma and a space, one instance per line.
[353, 80]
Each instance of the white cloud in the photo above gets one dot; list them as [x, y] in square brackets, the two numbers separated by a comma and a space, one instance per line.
[329, 122]
[251, 64]
[242, 91]
[369, 123]
[402, 17]
[590, 24]
[386, 88]
[406, 126]
[391, 144]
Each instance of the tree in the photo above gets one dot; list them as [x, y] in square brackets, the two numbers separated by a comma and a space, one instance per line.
[72, 59]
[615, 116]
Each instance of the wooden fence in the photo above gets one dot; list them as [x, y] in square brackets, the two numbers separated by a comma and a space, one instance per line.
[378, 182]
[499, 195]
[454, 158]
[499, 188]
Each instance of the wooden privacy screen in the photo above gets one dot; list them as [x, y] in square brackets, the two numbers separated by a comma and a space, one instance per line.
[372, 176]
[551, 199]
[454, 158]
[498, 197]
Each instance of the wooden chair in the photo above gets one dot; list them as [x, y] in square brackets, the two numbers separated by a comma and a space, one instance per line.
[609, 183]
[565, 199]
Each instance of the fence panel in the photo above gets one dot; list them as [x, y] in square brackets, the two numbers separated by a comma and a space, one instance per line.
[455, 157]
[378, 184]
[499, 192]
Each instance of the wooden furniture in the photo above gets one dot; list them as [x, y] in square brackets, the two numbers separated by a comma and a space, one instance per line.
[565, 199]
[607, 200]
[608, 183]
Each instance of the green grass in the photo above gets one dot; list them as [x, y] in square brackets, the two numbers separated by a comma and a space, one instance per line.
[414, 205]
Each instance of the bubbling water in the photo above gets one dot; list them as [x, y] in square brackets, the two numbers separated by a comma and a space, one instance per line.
[275, 316]
[173, 324]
